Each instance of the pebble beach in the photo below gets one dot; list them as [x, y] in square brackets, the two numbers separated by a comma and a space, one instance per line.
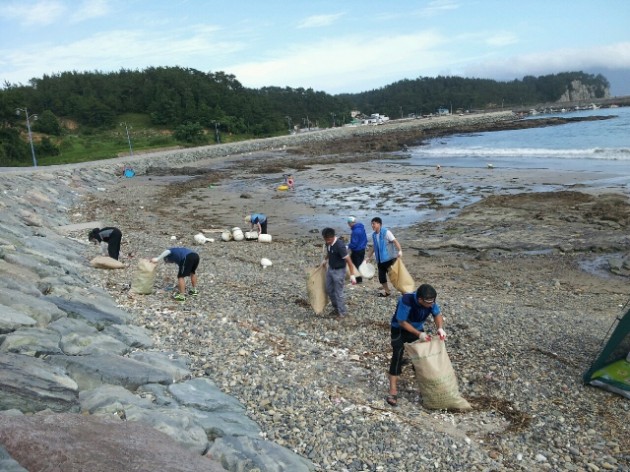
[523, 318]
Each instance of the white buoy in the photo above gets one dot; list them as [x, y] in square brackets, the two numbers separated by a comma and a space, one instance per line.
[264, 238]
[173, 238]
[199, 238]
[237, 234]
[226, 235]
[264, 262]
[251, 235]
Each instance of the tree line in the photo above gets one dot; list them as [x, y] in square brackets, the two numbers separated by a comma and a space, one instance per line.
[192, 104]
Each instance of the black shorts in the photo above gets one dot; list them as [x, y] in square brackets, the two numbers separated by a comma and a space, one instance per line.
[189, 265]
[383, 267]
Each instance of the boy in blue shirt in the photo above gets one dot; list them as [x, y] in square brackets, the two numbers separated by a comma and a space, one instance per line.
[258, 221]
[187, 262]
[407, 326]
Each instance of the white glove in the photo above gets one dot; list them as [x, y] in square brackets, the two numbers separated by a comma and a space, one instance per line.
[442, 334]
[399, 253]
[353, 280]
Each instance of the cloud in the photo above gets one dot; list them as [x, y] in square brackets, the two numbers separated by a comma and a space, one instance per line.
[318, 21]
[437, 7]
[90, 9]
[348, 61]
[501, 39]
[613, 56]
[43, 12]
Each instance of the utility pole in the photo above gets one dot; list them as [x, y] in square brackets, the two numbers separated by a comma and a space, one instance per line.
[124, 123]
[30, 134]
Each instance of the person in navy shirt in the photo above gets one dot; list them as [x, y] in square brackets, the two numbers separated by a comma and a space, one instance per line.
[187, 262]
[407, 326]
[358, 243]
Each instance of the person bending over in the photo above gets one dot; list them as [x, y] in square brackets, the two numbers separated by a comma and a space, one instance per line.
[187, 262]
[110, 236]
[407, 325]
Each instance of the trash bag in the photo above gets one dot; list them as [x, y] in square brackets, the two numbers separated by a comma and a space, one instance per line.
[435, 376]
[316, 288]
[143, 277]
[106, 262]
[400, 277]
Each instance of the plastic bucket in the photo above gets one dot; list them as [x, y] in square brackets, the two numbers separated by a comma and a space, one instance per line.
[251, 235]
[367, 270]
[264, 238]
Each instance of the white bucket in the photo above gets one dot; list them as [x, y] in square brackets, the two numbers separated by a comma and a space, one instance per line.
[264, 238]
[367, 270]
[237, 234]
[226, 236]
[251, 235]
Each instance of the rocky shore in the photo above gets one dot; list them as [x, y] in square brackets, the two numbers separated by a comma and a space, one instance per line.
[246, 377]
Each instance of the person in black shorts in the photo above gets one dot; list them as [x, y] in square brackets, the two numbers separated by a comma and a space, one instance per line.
[187, 261]
[111, 236]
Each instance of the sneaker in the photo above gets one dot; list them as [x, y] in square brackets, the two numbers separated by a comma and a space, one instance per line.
[179, 297]
[193, 291]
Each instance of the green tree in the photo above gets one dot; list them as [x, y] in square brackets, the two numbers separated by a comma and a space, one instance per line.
[191, 133]
[47, 123]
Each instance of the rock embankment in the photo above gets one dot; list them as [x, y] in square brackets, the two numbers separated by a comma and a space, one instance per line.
[66, 348]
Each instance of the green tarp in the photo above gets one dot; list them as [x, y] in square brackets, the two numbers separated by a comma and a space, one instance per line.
[611, 368]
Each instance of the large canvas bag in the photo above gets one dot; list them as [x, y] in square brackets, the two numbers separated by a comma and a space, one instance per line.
[316, 288]
[400, 277]
[106, 262]
[435, 376]
[143, 277]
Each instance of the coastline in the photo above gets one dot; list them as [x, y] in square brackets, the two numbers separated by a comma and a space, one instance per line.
[508, 279]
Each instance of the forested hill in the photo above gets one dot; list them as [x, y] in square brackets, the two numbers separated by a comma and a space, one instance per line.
[193, 107]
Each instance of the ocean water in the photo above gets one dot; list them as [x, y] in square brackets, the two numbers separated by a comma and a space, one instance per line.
[600, 149]
[594, 146]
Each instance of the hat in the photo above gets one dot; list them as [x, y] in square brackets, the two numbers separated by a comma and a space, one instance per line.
[248, 218]
[351, 219]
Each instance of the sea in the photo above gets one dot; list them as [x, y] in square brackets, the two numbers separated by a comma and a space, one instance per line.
[600, 149]
[598, 146]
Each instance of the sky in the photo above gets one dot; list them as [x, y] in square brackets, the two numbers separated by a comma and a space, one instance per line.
[333, 46]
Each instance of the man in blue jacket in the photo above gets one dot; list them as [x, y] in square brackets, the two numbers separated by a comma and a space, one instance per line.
[358, 243]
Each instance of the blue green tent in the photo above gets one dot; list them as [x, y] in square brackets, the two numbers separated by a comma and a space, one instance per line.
[611, 368]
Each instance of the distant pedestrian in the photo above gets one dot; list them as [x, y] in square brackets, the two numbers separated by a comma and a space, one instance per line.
[358, 243]
[385, 248]
[291, 182]
[109, 239]
[187, 261]
[258, 221]
[338, 259]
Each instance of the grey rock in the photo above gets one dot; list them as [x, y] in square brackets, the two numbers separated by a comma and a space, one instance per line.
[203, 394]
[91, 313]
[108, 399]
[241, 454]
[92, 371]
[80, 344]
[35, 342]
[174, 364]
[34, 306]
[132, 336]
[29, 384]
[10, 320]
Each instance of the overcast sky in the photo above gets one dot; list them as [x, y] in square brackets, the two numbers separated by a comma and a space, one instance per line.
[333, 46]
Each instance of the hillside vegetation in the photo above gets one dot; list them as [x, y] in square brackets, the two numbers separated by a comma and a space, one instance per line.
[94, 115]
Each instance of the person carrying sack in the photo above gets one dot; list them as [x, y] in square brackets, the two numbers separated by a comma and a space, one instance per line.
[385, 249]
[407, 326]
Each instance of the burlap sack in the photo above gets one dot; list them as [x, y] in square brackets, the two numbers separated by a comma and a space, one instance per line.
[400, 277]
[106, 262]
[435, 376]
[316, 288]
[143, 277]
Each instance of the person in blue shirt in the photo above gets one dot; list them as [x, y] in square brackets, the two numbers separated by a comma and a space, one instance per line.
[386, 249]
[407, 326]
[187, 261]
[358, 243]
[258, 220]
